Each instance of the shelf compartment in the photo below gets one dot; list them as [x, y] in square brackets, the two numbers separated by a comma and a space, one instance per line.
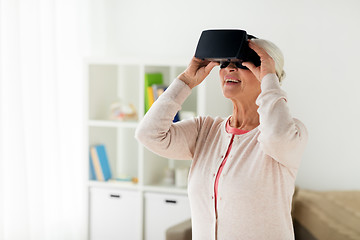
[169, 73]
[121, 148]
[112, 83]
[155, 167]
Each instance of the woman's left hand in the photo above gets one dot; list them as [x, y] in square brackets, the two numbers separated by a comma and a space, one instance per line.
[197, 71]
[267, 62]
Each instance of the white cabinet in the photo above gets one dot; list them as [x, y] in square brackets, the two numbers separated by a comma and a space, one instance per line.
[114, 214]
[122, 79]
[163, 211]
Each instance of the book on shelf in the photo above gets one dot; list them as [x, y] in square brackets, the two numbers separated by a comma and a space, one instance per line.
[158, 89]
[154, 91]
[150, 96]
[92, 175]
[150, 79]
[99, 163]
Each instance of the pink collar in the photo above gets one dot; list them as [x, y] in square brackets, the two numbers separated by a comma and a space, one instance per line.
[232, 130]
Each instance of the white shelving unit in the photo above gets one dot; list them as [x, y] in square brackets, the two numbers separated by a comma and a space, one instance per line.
[108, 80]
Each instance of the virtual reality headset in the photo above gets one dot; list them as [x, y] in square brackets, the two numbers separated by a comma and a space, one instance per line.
[226, 46]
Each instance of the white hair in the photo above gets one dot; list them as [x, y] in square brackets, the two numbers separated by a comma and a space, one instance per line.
[275, 53]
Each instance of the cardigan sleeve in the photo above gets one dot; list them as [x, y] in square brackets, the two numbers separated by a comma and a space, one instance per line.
[281, 136]
[159, 134]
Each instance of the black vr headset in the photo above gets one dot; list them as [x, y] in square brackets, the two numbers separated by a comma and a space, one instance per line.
[226, 46]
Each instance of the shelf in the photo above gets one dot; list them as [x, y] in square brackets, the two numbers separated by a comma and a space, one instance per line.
[133, 186]
[122, 80]
[114, 184]
[165, 189]
[110, 123]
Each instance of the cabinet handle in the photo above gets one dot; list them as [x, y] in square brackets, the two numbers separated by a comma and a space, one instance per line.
[114, 195]
[171, 201]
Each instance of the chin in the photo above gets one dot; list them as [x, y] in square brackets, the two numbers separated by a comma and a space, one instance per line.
[230, 94]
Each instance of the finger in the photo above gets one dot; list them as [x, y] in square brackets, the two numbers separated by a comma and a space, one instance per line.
[259, 50]
[250, 66]
[196, 63]
[196, 60]
[210, 66]
[200, 60]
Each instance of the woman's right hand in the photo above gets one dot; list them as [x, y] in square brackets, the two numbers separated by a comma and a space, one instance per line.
[197, 71]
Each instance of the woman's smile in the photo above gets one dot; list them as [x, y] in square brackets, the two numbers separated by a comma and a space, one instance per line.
[231, 80]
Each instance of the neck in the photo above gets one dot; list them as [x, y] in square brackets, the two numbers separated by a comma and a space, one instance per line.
[245, 115]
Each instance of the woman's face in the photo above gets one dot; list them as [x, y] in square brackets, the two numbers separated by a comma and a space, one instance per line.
[239, 84]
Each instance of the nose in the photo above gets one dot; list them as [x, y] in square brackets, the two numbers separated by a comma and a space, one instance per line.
[232, 67]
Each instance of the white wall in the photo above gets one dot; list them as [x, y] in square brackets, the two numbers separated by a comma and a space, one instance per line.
[320, 41]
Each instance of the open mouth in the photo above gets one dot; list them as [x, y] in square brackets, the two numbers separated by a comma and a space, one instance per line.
[232, 81]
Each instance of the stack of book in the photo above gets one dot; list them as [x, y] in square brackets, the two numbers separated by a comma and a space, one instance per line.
[99, 163]
[154, 87]
[153, 82]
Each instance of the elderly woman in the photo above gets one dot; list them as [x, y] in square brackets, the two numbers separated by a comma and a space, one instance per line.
[243, 170]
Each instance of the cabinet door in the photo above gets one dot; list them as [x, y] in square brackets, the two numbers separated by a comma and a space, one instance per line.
[114, 214]
[163, 211]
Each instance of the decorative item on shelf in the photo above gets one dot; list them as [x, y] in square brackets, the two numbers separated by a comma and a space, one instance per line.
[122, 112]
[125, 179]
[99, 163]
[181, 176]
[169, 177]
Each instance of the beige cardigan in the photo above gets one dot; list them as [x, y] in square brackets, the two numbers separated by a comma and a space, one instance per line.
[257, 183]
